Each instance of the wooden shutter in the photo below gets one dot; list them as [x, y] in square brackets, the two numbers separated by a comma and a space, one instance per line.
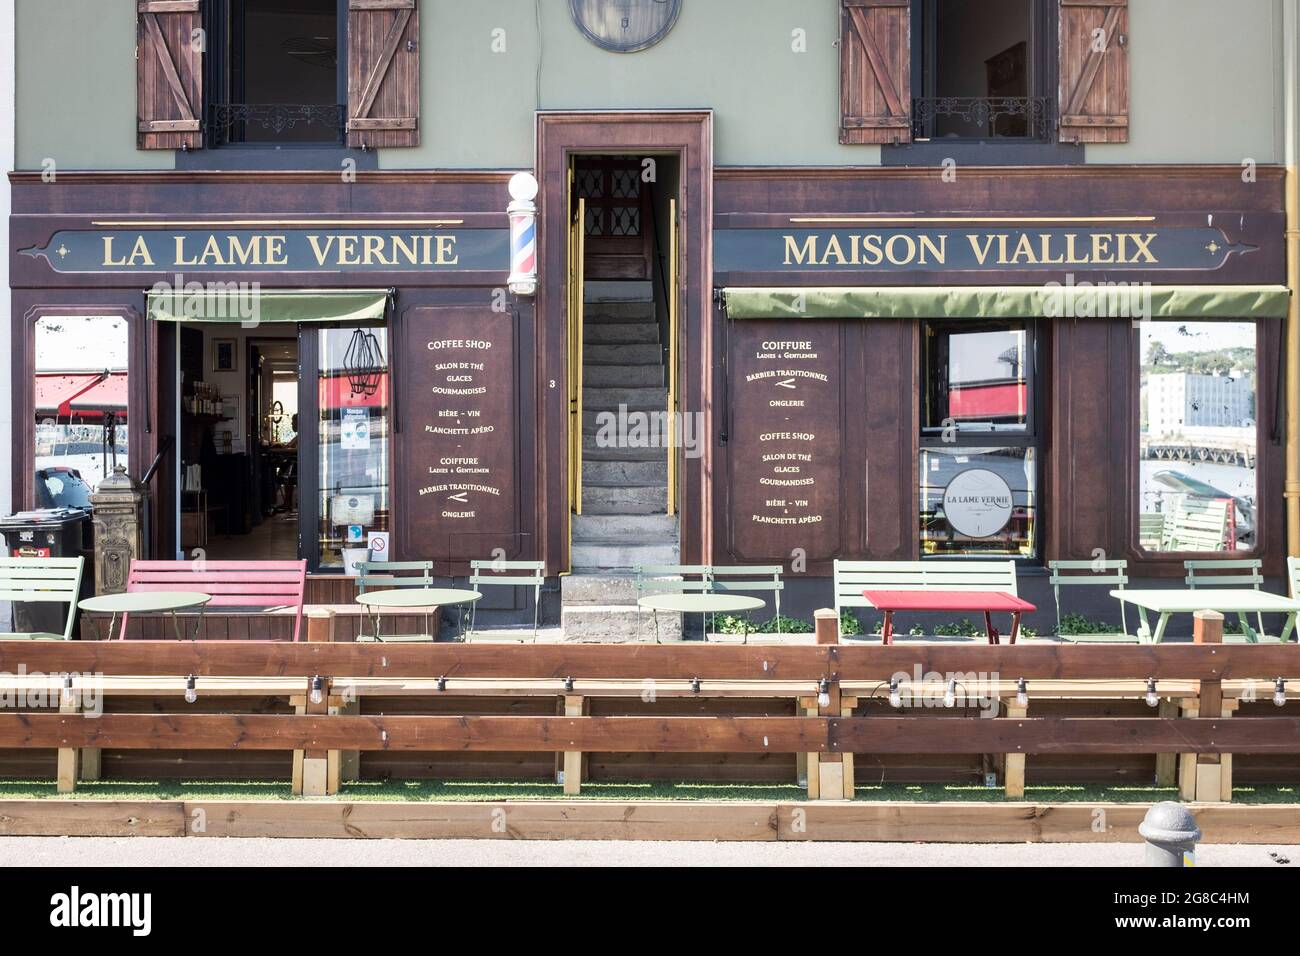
[383, 73]
[169, 74]
[1094, 71]
[875, 71]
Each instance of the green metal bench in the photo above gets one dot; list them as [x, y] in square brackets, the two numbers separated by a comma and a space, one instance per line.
[42, 581]
[853, 577]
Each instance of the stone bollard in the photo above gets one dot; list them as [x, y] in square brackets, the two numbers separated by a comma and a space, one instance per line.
[1171, 833]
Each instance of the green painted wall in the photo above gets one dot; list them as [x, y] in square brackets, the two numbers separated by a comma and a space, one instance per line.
[75, 86]
[1206, 82]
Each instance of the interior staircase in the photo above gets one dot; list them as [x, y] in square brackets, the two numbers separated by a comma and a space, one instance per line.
[624, 521]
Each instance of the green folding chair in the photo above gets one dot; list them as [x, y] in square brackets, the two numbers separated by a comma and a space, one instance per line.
[1113, 575]
[1235, 573]
[754, 577]
[671, 579]
[488, 574]
[42, 581]
[386, 575]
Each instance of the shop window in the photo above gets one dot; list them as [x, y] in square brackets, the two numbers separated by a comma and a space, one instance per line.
[81, 405]
[1198, 437]
[978, 469]
[354, 416]
[275, 74]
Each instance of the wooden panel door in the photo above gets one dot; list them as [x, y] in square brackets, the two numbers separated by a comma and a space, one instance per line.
[617, 218]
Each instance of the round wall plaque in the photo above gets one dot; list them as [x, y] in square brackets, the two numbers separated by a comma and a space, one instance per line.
[977, 503]
[625, 26]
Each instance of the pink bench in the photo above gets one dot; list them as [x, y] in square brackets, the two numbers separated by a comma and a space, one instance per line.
[248, 585]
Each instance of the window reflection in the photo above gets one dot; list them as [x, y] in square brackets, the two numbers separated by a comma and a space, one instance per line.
[977, 378]
[1197, 454]
[353, 383]
[81, 405]
[978, 501]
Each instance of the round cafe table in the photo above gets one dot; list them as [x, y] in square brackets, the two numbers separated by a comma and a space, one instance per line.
[415, 598]
[147, 602]
[698, 603]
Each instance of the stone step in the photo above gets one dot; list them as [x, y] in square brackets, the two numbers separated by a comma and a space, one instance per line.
[648, 430]
[615, 332]
[591, 452]
[608, 556]
[618, 376]
[617, 290]
[606, 312]
[623, 355]
[586, 588]
[635, 529]
[617, 624]
[624, 499]
[599, 472]
[646, 397]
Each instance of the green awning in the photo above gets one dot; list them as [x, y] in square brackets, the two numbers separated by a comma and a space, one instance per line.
[1121, 301]
[229, 302]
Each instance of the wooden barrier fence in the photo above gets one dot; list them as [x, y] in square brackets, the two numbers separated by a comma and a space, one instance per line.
[825, 728]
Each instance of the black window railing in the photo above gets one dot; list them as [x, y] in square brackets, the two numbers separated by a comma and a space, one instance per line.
[304, 124]
[1028, 118]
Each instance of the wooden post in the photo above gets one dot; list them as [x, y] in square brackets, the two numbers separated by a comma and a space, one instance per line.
[826, 770]
[1014, 764]
[68, 756]
[320, 625]
[829, 767]
[1208, 629]
[574, 706]
[827, 626]
[1167, 764]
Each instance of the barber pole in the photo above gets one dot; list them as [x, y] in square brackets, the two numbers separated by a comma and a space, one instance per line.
[523, 234]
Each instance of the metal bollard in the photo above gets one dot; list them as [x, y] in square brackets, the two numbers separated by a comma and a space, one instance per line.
[1171, 833]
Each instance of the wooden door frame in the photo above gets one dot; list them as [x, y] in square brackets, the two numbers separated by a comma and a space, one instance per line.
[687, 135]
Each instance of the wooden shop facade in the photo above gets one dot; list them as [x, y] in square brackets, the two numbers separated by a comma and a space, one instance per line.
[1028, 362]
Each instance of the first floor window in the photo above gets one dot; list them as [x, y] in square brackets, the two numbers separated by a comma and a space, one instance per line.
[979, 458]
[1197, 441]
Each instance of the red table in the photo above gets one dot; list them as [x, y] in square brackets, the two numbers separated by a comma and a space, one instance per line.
[934, 600]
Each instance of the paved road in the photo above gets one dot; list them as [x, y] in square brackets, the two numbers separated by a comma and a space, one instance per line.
[192, 851]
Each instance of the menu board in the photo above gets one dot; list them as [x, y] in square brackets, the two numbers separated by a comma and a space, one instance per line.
[785, 440]
[459, 434]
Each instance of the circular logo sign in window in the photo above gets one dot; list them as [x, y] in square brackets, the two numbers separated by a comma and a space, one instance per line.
[625, 26]
[977, 503]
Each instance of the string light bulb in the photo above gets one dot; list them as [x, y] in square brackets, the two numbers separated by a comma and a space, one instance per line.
[895, 698]
[950, 693]
[317, 686]
[1153, 699]
[1279, 693]
[824, 693]
[191, 694]
[1022, 693]
[68, 695]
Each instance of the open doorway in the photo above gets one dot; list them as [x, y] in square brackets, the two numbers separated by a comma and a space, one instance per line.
[283, 442]
[623, 330]
[238, 462]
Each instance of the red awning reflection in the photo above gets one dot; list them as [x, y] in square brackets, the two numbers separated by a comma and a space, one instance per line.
[80, 396]
[1000, 400]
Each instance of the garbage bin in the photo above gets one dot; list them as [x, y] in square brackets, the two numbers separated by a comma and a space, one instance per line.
[48, 533]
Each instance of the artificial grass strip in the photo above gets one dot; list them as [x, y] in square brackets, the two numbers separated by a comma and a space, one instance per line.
[427, 791]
